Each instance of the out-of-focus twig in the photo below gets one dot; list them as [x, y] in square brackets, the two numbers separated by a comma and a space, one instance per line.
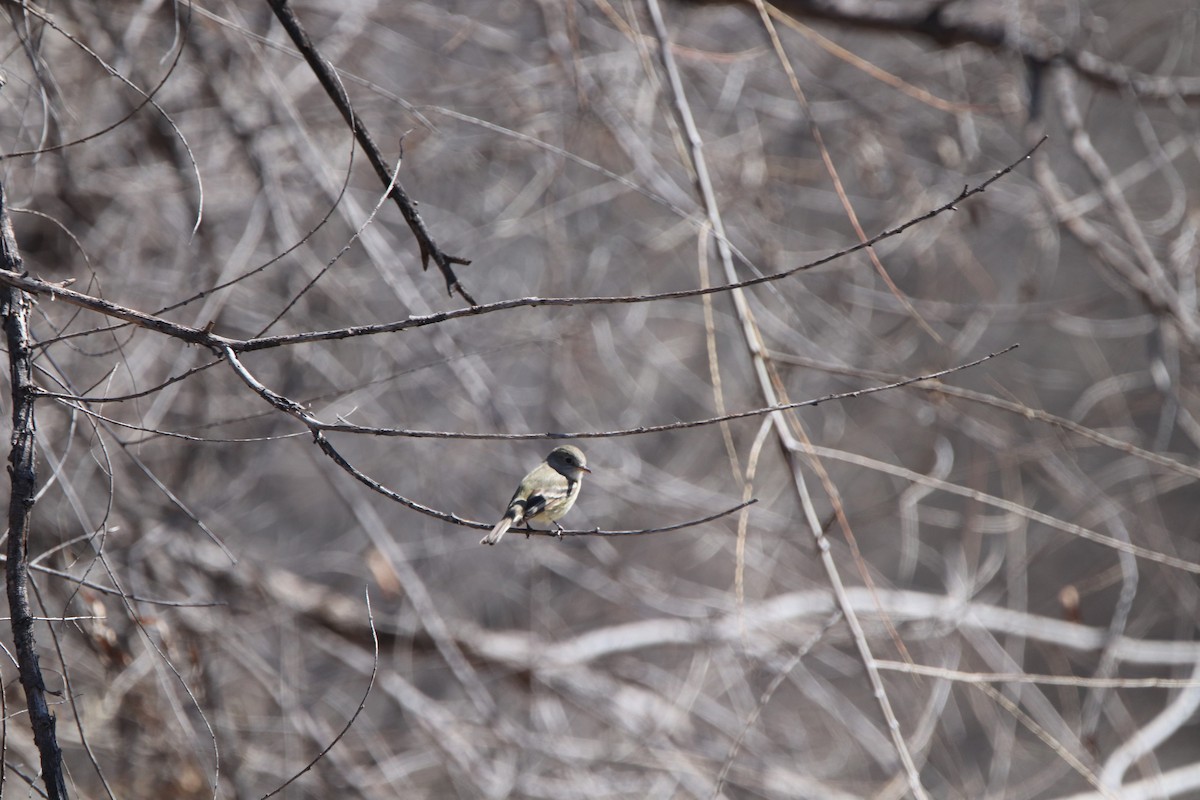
[933, 20]
[361, 705]
[752, 336]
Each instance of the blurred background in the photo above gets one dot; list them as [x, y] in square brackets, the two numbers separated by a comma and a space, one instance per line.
[1018, 541]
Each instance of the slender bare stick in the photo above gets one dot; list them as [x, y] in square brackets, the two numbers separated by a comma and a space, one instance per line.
[332, 84]
[297, 410]
[762, 370]
[206, 338]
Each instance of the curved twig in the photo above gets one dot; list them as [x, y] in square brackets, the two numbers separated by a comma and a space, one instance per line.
[933, 21]
[361, 705]
[206, 338]
[294, 409]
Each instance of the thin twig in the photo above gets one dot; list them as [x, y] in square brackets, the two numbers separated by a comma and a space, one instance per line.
[409, 433]
[764, 374]
[835, 177]
[781, 674]
[148, 98]
[345, 248]
[328, 77]
[361, 705]
[343, 427]
[314, 425]
[1020, 409]
[206, 338]
[118, 592]
[946, 28]
[1008, 506]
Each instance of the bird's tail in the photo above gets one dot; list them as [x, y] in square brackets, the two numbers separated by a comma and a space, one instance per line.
[501, 528]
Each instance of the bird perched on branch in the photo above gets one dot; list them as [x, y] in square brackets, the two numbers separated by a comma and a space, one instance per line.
[546, 494]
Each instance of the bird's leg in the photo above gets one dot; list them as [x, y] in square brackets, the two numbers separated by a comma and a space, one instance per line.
[558, 534]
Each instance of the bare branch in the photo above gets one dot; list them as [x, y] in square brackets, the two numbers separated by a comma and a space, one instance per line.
[14, 308]
[937, 21]
[314, 425]
[350, 722]
[207, 338]
[332, 84]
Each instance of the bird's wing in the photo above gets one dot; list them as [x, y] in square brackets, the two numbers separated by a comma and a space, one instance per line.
[552, 487]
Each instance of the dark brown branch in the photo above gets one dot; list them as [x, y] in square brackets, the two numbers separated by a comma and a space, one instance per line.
[638, 532]
[218, 343]
[332, 84]
[942, 22]
[329, 450]
[294, 409]
[432, 319]
[58, 291]
[14, 308]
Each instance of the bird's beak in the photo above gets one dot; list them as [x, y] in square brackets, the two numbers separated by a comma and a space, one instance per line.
[585, 469]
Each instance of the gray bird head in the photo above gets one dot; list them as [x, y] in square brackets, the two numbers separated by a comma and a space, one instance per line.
[568, 461]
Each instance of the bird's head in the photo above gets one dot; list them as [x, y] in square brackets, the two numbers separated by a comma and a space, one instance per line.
[569, 461]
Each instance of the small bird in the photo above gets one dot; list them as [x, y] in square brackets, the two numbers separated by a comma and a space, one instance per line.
[546, 494]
